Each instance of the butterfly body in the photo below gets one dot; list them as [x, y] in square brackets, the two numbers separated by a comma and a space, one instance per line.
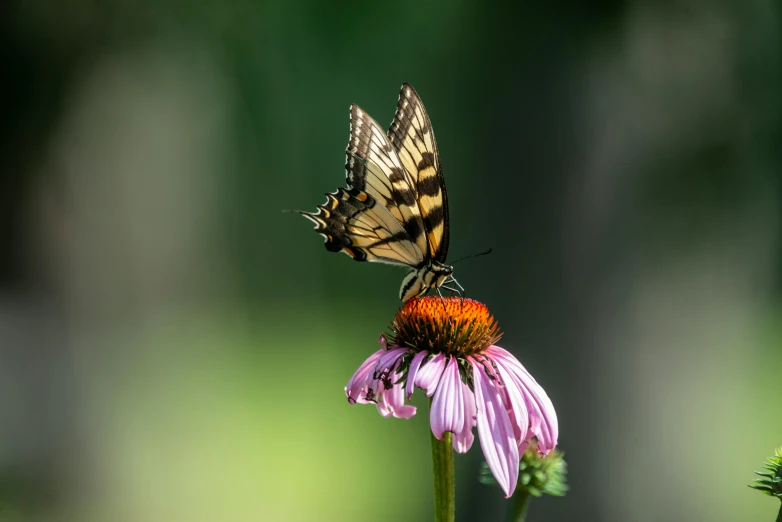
[421, 280]
[395, 209]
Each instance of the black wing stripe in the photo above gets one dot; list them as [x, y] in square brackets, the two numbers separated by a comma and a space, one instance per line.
[414, 228]
[429, 186]
[434, 218]
[397, 175]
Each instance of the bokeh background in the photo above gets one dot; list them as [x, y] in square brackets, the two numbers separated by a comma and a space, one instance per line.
[173, 347]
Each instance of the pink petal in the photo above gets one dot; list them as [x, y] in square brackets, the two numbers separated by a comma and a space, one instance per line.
[543, 417]
[389, 358]
[523, 447]
[385, 366]
[411, 373]
[373, 375]
[383, 408]
[462, 441]
[516, 399]
[394, 399]
[428, 375]
[448, 404]
[495, 431]
[356, 387]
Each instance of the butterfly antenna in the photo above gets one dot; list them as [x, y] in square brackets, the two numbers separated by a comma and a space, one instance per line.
[472, 255]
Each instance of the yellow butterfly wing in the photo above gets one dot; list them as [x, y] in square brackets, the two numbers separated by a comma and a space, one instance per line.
[412, 138]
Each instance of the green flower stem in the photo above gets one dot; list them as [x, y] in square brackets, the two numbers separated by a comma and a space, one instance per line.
[779, 515]
[517, 506]
[442, 464]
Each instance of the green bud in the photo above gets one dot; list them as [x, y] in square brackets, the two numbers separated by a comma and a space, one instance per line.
[771, 482]
[537, 474]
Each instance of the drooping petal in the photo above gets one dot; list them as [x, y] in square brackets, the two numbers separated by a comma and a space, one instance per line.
[523, 447]
[389, 359]
[543, 417]
[495, 431]
[394, 401]
[448, 404]
[462, 441]
[428, 375]
[381, 378]
[356, 387]
[516, 400]
[413, 371]
[365, 385]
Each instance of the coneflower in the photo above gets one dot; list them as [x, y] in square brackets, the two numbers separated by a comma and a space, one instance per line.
[446, 347]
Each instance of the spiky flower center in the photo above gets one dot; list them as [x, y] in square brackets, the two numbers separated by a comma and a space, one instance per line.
[449, 325]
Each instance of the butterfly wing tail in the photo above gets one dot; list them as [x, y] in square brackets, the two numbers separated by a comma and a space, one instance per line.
[332, 220]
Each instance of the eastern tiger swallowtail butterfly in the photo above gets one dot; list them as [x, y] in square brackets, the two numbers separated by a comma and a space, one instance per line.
[395, 208]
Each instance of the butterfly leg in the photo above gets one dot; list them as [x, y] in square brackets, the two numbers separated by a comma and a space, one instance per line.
[442, 300]
[453, 279]
[451, 289]
[459, 290]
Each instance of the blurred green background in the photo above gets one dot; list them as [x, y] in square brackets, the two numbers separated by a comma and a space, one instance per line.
[173, 347]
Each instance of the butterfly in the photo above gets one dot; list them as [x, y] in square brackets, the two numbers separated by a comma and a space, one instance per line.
[395, 208]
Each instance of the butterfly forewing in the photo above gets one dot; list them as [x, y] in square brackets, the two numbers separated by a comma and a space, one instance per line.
[374, 166]
[412, 137]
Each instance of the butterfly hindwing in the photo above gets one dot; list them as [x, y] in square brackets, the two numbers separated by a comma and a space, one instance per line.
[351, 221]
[412, 137]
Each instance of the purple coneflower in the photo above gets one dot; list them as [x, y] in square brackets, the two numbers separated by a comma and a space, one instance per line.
[445, 346]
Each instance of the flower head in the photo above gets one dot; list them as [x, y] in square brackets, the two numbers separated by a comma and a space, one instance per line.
[445, 346]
